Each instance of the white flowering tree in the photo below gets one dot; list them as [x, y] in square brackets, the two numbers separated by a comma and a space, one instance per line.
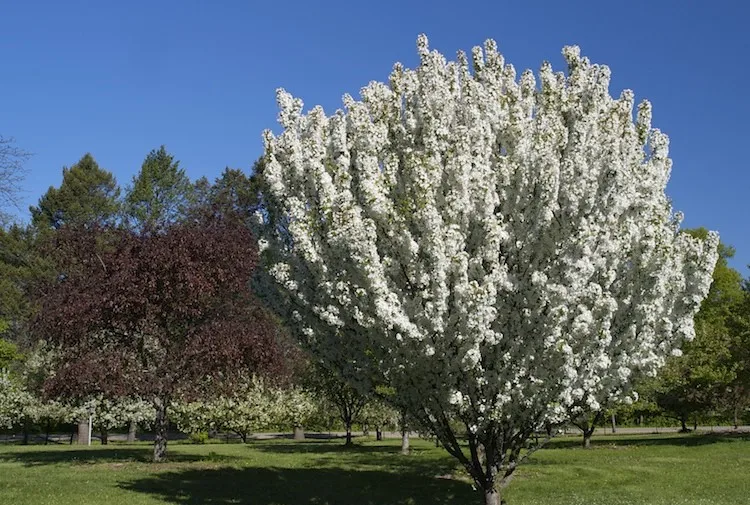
[495, 248]
[297, 407]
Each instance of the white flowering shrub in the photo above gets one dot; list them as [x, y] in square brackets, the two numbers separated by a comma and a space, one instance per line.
[496, 248]
[14, 401]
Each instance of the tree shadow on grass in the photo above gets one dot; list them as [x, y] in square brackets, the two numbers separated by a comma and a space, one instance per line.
[90, 456]
[364, 457]
[284, 486]
[684, 440]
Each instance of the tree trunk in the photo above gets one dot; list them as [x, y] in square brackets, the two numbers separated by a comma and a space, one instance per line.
[587, 438]
[437, 442]
[160, 430]
[614, 423]
[404, 442]
[695, 423]
[83, 432]
[46, 432]
[299, 433]
[365, 430]
[105, 436]
[243, 436]
[348, 433]
[683, 423]
[491, 497]
[25, 431]
[378, 434]
[736, 417]
[131, 432]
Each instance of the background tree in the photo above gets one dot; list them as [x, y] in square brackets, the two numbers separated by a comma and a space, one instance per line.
[22, 268]
[12, 173]
[160, 194]
[698, 380]
[87, 196]
[348, 401]
[495, 247]
[173, 311]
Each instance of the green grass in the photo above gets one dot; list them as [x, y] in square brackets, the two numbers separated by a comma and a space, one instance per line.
[645, 470]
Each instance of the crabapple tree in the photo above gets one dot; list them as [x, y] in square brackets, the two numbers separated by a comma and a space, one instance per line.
[496, 248]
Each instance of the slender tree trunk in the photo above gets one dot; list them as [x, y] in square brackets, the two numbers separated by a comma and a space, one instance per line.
[437, 442]
[83, 432]
[587, 437]
[378, 434]
[160, 429]
[736, 416]
[695, 423]
[404, 434]
[348, 433]
[404, 442]
[683, 423]
[243, 436]
[46, 432]
[25, 431]
[131, 432]
[299, 433]
[614, 423]
[105, 436]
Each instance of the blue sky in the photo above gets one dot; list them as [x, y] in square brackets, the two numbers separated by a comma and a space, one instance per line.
[118, 79]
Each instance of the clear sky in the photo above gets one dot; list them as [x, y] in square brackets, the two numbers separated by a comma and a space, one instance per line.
[118, 79]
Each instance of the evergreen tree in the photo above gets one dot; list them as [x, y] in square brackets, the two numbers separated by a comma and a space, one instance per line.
[88, 195]
[161, 193]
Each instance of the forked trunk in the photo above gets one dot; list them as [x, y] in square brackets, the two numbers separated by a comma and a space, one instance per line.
[131, 432]
[587, 439]
[299, 433]
[160, 429]
[491, 497]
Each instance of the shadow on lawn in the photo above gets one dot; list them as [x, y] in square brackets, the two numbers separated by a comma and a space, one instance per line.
[682, 440]
[90, 456]
[283, 486]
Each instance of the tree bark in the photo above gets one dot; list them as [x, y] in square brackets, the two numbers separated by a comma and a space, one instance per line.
[83, 432]
[614, 423]
[348, 433]
[491, 497]
[683, 423]
[160, 429]
[299, 433]
[587, 438]
[105, 436]
[131, 432]
[25, 431]
[404, 442]
[378, 434]
[736, 417]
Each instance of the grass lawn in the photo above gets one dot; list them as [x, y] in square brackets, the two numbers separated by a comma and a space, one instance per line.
[643, 470]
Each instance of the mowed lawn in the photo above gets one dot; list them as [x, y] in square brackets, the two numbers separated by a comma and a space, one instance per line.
[645, 470]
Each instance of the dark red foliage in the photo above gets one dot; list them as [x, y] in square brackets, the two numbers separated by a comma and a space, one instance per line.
[156, 314]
